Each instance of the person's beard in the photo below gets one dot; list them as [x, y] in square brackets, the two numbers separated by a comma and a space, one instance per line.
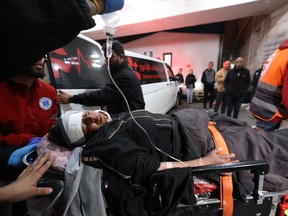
[34, 72]
[115, 65]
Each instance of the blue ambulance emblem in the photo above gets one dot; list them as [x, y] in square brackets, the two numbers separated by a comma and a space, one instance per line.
[45, 103]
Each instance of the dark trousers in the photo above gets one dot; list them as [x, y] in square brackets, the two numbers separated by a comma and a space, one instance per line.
[220, 100]
[233, 104]
[208, 93]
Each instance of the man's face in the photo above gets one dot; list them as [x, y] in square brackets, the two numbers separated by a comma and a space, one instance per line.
[115, 61]
[36, 70]
[226, 65]
[92, 121]
[239, 62]
[210, 66]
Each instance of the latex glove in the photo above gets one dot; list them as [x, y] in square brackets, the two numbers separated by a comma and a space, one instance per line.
[16, 157]
[34, 140]
[113, 5]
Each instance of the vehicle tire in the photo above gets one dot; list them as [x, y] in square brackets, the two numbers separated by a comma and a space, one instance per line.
[177, 102]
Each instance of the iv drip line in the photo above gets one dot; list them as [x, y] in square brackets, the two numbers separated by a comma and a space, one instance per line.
[109, 37]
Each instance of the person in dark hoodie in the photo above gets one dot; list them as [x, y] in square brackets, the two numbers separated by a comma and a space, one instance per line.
[109, 95]
[270, 102]
[129, 155]
[236, 83]
[32, 28]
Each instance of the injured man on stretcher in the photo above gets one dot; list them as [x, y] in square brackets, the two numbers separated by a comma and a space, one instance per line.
[130, 148]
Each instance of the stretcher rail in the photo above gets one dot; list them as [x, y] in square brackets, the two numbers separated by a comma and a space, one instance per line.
[257, 202]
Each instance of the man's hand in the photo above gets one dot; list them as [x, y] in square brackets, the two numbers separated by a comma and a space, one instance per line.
[213, 157]
[24, 187]
[63, 97]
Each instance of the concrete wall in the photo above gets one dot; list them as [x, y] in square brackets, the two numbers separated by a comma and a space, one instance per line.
[255, 38]
[264, 36]
[188, 50]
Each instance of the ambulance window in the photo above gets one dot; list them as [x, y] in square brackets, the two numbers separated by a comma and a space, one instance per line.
[170, 73]
[78, 65]
[147, 71]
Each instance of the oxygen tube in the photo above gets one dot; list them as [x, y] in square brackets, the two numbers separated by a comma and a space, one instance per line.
[111, 20]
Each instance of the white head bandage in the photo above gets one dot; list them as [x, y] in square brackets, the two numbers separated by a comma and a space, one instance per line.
[105, 113]
[75, 132]
[72, 122]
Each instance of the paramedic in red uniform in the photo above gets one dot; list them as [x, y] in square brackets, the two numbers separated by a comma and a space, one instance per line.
[270, 102]
[28, 109]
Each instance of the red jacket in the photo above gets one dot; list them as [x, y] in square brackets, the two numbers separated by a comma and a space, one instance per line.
[26, 113]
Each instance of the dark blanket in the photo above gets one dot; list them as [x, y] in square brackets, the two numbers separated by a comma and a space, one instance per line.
[241, 139]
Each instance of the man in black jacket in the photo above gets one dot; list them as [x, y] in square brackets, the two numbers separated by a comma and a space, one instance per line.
[110, 96]
[236, 83]
[208, 80]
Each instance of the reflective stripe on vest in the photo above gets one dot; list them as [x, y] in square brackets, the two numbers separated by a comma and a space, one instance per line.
[267, 101]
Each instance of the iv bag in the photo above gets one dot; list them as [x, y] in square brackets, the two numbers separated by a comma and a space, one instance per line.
[111, 20]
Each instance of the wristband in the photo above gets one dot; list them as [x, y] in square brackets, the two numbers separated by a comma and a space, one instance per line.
[199, 161]
[169, 165]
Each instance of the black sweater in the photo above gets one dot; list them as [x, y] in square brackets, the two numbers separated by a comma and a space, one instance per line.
[237, 81]
[129, 84]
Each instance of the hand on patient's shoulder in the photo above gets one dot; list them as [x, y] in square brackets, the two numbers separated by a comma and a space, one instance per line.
[63, 97]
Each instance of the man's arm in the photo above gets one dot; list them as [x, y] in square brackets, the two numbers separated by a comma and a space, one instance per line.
[203, 78]
[248, 80]
[226, 81]
[17, 140]
[218, 77]
[49, 17]
[107, 95]
[212, 157]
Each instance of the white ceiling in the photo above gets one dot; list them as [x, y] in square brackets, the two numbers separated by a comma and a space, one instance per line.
[138, 16]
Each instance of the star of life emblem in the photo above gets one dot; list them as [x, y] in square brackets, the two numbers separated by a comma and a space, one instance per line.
[45, 103]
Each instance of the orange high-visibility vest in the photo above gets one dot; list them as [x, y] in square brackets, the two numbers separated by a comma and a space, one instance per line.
[267, 101]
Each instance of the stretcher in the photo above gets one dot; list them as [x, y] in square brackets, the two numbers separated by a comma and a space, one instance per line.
[257, 203]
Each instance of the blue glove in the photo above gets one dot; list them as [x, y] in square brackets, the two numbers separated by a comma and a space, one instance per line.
[113, 5]
[34, 140]
[16, 157]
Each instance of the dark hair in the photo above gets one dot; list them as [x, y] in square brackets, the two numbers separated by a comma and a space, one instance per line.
[117, 47]
[58, 135]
